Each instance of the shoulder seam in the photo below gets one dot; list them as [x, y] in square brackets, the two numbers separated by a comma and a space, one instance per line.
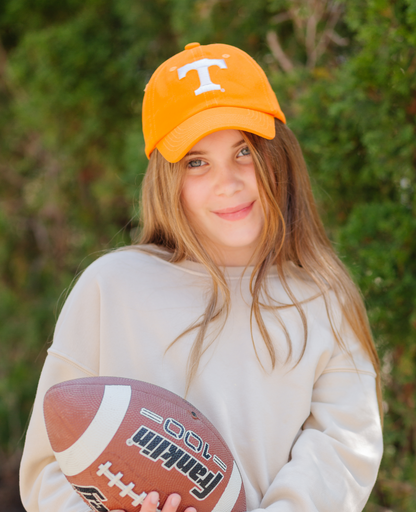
[348, 370]
[59, 355]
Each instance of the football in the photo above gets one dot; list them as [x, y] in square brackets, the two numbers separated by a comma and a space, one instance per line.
[118, 439]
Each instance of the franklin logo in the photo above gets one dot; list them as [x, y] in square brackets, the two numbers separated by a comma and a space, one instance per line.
[156, 447]
[93, 496]
[202, 66]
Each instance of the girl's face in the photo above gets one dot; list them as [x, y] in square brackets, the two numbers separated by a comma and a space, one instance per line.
[221, 198]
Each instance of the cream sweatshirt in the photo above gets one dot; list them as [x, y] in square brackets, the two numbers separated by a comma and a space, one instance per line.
[306, 437]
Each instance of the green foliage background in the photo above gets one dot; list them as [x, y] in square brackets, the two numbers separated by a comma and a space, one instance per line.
[72, 75]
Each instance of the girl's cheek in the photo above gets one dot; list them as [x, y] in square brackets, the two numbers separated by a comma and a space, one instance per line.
[195, 193]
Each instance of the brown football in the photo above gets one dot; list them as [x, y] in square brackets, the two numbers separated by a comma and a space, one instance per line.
[118, 439]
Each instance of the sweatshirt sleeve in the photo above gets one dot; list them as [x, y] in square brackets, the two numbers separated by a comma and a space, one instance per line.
[73, 354]
[335, 459]
[43, 486]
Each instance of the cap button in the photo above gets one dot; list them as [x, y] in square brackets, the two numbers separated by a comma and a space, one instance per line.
[189, 46]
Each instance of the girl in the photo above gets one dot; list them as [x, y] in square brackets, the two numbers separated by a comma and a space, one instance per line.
[233, 297]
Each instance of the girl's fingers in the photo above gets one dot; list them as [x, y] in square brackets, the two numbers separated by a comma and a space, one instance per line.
[150, 503]
[173, 502]
[152, 499]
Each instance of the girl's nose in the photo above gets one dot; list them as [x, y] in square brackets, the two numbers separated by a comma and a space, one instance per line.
[228, 181]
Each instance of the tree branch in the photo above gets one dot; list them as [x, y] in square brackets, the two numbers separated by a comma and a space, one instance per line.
[337, 39]
[279, 18]
[278, 53]
[325, 37]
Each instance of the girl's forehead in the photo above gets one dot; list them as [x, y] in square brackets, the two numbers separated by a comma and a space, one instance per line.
[224, 138]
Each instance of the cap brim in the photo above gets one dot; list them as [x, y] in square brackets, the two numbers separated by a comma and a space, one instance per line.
[179, 141]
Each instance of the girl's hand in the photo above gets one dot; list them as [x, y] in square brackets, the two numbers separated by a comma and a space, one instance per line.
[152, 499]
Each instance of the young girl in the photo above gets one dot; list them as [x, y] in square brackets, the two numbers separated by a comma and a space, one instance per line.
[233, 298]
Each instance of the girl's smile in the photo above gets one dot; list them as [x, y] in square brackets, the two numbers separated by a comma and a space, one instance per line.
[221, 197]
[236, 213]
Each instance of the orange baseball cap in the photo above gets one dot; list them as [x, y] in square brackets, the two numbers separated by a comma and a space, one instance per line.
[202, 90]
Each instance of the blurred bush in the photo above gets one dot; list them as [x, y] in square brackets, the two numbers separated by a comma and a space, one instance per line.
[72, 75]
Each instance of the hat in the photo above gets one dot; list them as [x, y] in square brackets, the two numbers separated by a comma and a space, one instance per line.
[202, 90]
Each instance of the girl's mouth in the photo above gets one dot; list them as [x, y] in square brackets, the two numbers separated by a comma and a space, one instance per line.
[236, 212]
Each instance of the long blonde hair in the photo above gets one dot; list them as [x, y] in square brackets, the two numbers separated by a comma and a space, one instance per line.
[292, 232]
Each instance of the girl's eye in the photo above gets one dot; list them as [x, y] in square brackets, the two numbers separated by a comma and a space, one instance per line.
[195, 163]
[244, 152]
[196, 167]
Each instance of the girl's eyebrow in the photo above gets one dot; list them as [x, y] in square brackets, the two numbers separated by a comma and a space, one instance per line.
[190, 153]
[196, 153]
